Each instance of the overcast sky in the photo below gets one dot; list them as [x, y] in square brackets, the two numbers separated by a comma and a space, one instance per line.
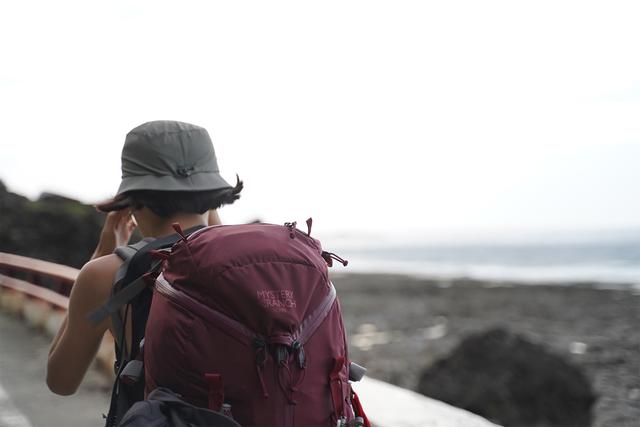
[366, 115]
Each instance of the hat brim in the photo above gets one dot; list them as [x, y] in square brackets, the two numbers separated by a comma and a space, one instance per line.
[201, 181]
[113, 204]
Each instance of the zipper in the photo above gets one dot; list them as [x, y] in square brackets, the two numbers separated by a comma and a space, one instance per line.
[302, 334]
[219, 319]
[295, 230]
[313, 321]
[190, 236]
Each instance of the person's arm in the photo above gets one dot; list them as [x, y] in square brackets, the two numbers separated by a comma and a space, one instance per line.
[77, 341]
[56, 339]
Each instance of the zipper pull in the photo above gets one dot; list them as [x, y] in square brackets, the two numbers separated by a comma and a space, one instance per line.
[330, 256]
[309, 223]
[178, 229]
[292, 227]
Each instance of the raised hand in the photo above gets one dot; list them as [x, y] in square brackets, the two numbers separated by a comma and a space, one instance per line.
[117, 230]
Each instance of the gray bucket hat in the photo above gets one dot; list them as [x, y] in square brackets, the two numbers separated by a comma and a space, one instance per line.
[167, 155]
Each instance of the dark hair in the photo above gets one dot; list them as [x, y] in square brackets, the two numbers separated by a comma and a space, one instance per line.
[168, 203]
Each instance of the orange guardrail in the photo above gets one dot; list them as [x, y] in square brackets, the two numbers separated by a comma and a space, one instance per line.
[38, 291]
[33, 291]
[55, 277]
[60, 272]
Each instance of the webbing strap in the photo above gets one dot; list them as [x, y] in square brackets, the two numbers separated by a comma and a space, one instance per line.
[112, 309]
[216, 391]
[113, 305]
[118, 300]
[118, 336]
[335, 385]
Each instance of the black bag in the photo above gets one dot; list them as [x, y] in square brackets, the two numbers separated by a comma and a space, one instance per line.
[163, 408]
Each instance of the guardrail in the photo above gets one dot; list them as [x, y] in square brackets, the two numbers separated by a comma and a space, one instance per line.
[38, 291]
[47, 274]
[40, 295]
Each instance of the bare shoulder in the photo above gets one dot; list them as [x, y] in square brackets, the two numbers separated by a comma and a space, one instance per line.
[93, 285]
[103, 268]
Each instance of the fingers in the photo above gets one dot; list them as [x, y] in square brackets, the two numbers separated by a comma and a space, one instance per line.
[115, 218]
[111, 219]
[125, 220]
[131, 224]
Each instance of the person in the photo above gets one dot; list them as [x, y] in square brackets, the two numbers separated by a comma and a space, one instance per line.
[169, 175]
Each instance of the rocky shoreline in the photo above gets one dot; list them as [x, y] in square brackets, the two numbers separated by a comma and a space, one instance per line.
[399, 325]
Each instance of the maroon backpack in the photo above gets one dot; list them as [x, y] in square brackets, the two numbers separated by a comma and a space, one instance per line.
[244, 319]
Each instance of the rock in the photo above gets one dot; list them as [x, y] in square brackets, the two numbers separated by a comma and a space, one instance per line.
[509, 380]
[53, 228]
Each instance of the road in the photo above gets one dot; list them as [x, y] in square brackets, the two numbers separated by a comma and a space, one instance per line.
[25, 400]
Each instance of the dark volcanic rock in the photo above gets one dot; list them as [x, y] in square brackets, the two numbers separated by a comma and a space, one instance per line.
[53, 228]
[512, 381]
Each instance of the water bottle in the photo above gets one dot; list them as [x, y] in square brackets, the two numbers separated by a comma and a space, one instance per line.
[226, 410]
[356, 372]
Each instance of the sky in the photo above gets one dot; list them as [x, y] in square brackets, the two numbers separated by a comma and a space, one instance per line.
[370, 116]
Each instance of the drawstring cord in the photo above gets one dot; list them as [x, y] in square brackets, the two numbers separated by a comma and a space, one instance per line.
[259, 369]
[284, 354]
[283, 367]
[290, 387]
[330, 256]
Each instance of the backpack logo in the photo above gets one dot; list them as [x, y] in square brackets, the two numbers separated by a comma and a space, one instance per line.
[278, 301]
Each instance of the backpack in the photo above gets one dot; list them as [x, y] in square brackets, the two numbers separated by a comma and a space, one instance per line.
[243, 320]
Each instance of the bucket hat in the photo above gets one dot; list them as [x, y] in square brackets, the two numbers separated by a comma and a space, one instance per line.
[166, 155]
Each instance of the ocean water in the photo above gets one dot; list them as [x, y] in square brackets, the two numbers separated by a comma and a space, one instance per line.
[615, 263]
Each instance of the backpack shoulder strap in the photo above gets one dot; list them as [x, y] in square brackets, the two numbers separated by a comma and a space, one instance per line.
[126, 254]
[128, 251]
[119, 298]
[129, 282]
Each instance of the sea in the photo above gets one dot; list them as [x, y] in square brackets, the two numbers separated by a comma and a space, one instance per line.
[606, 259]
